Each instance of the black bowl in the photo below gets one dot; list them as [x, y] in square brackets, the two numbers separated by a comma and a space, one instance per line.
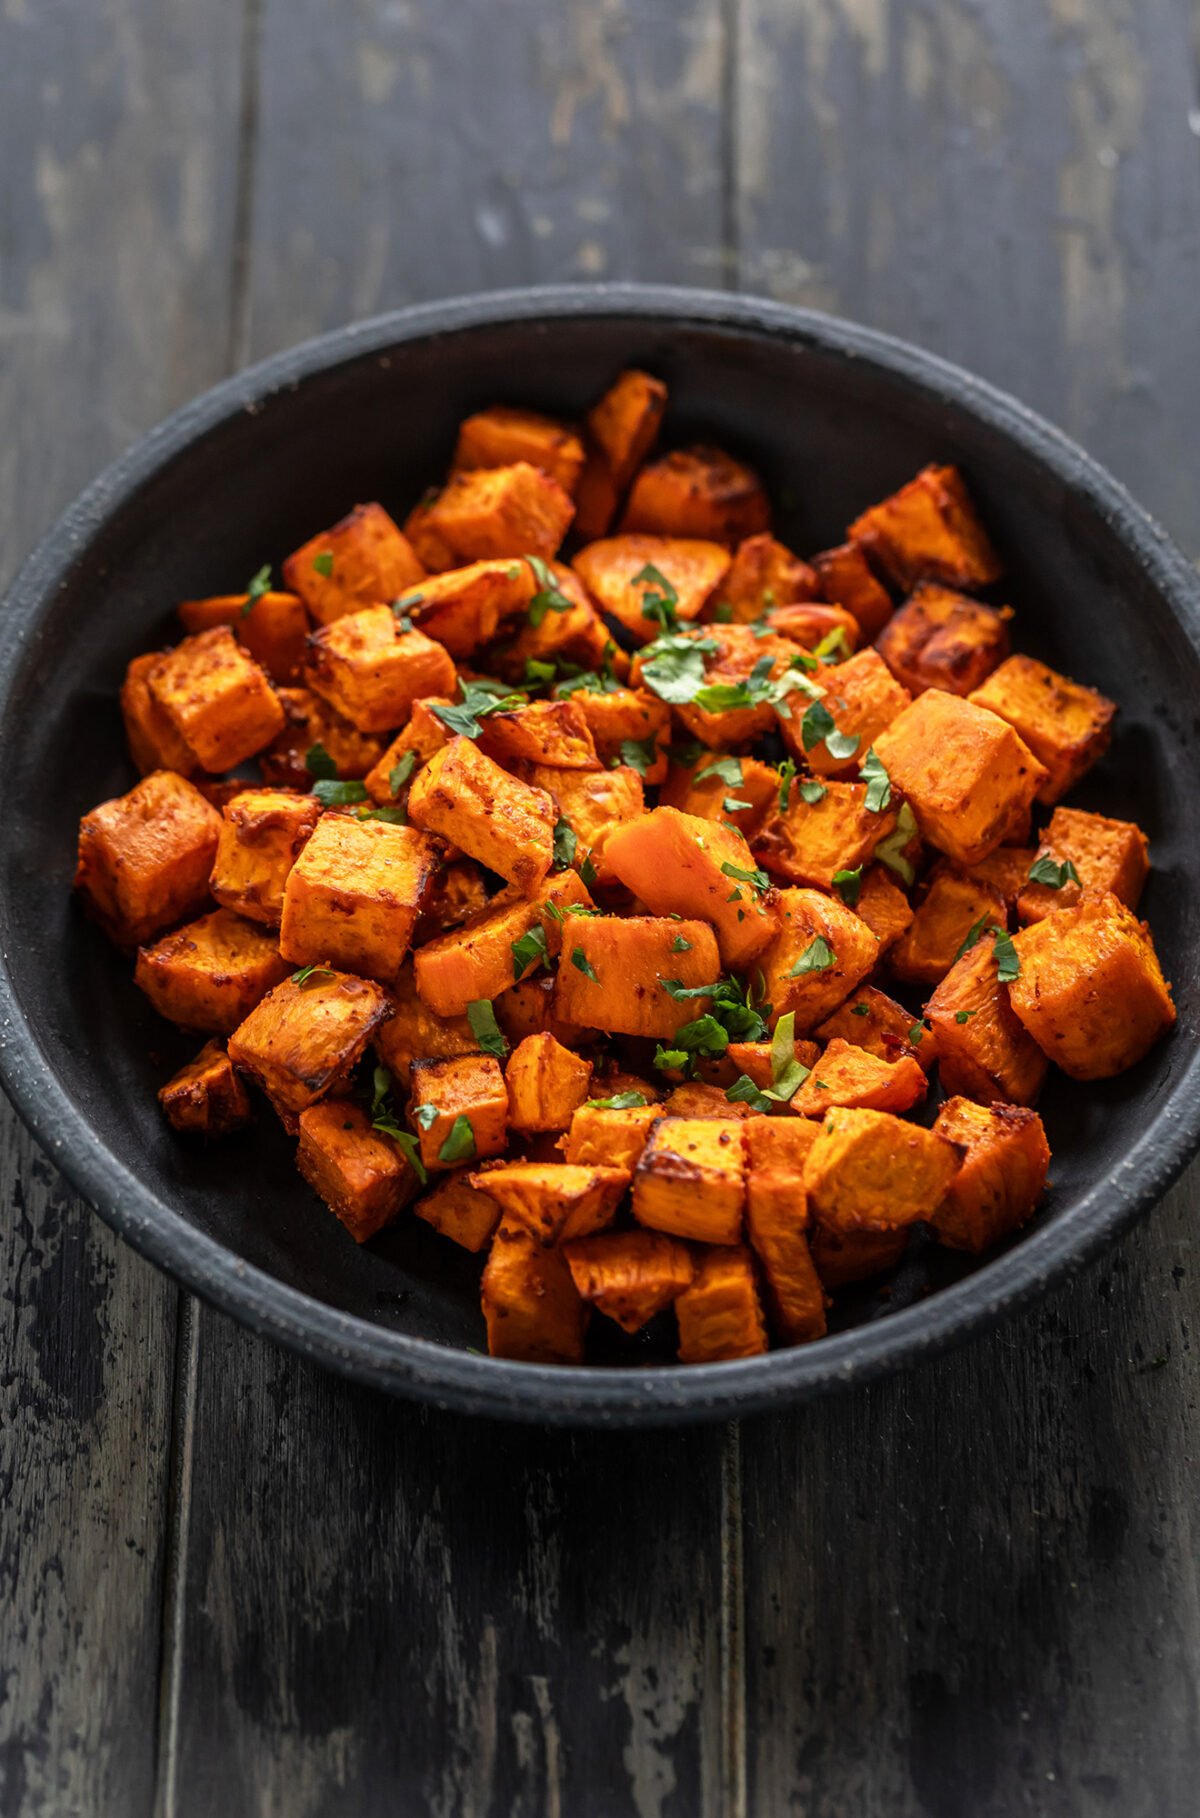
[835, 417]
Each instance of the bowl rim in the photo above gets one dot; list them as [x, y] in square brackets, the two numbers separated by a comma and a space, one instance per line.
[456, 1378]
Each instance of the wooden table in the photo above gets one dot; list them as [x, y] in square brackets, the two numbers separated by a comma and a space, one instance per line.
[230, 1584]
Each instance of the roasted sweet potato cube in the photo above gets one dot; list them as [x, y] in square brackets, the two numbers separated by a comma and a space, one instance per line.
[698, 1098]
[574, 637]
[206, 1097]
[871, 1171]
[691, 1179]
[864, 698]
[737, 661]
[528, 1009]
[776, 1223]
[953, 905]
[815, 625]
[464, 795]
[610, 1136]
[594, 802]
[362, 1175]
[698, 492]
[459, 1211]
[210, 974]
[153, 741]
[1106, 855]
[1090, 990]
[458, 892]
[353, 896]
[928, 530]
[842, 1258]
[883, 906]
[1002, 1175]
[551, 733]
[968, 776]
[1064, 724]
[431, 549]
[617, 573]
[847, 1074]
[464, 607]
[621, 431]
[872, 1020]
[217, 698]
[781, 1145]
[718, 788]
[764, 574]
[145, 857]
[273, 627]
[844, 578]
[612, 971]
[310, 721]
[307, 1036]
[629, 1275]
[413, 1032]
[755, 1061]
[263, 832]
[555, 1201]
[363, 560]
[500, 511]
[371, 672]
[449, 1095]
[943, 639]
[533, 1310]
[983, 1051]
[812, 842]
[676, 864]
[487, 954]
[500, 435]
[622, 719]
[388, 781]
[720, 1314]
[546, 1084]
[822, 951]
[1006, 871]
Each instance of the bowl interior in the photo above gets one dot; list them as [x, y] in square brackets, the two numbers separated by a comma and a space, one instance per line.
[831, 431]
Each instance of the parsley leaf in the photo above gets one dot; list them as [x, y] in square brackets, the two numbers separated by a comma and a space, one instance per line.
[391, 817]
[729, 769]
[459, 1146]
[670, 1058]
[818, 956]
[705, 1036]
[813, 792]
[537, 672]
[787, 1073]
[620, 1101]
[685, 752]
[879, 783]
[660, 607]
[259, 584]
[384, 1119]
[1046, 870]
[640, 754]
[478, 700]
[891, 851]
[550, 596]
[332, 794]
[1008, 965]
[323, 563]
[673, 666]
[963, 1016]
[426, 1116]
[971, 938]
[399, 773]
[565, 842]
[744, 1092]
[582, 963]
[757, 876]
[587, 871]
[848, 885]
[817, 724]
[318, 762]
[860, 1009]
[530, 950]
[485, 1028]
[787, 773]
[306, 972]
[679, 945]
[834, 646]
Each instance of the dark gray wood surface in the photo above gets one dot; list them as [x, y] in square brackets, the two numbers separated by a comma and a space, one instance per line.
[231, 1584]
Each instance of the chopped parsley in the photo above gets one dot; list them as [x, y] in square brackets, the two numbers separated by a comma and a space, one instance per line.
[384, 1119]
[744, 1092]
[757, 877]
[620, 1101]
[259, 584]
[314, 971]
[587, 871]
[459, 1146]
[661, 606]
[818, 956]
[565, 842]
[530, 950]
[679, 945]
[333, 794]
[399, 773]
[673, 666]
[323, 563]
[640, 754]
[963, 1016]
[1047, 870]
[892, 850]
[860, 1009]
[1008, 965]
[550, 596]
[848, 885]
[729, 769]
[879, 783]
[486, 1029]
[972, 937]
[787, 1073]
[813, 792]
[318, 762]
[391, 817]
[787, 773]
[479, 699]
[582, 963]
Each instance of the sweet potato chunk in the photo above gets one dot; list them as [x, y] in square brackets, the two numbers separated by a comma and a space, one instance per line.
[848, 1075]
[621, 430]
[310, 721]
[928, 531]
[413, 1032]
[363, 560]
[738, 660]
[969, 778]
[546, 1084]
[864, 698]
[697, 1098]
[273, 627]
[210, 974]
[842, 1258]
[500, 511]
[1090, 990]
[754, 1060]
[217, 698]
[983, 1051]
[698, 492]
[465, 796]
[1064, 724]
[458, 892]
[612, 969]
[691, 1179]
[677, 864]
[814, 625]
[593, 802]
[615, 572]
[1106, 855]
[953, 904]
[353, 896]
[554, 734]
[153, 741]
[1002, 1175]
[812, 842]
[500, 436]
[528, 1009]
[145, 857]
[844, 578]
[1006, 871]
[307, 1036]
[363, 1177]
[460, 1109]
[263, 832]
[206, 1097]
[574, 638]
[629, 1275]
[625, 724]
[484, 957]
[610, 1136]
[720, 1315]
[820, 954]
[740, 790]
[371, 672]
[883, 907]
[555, 1201]
[459, 1211]
[943, 639]
[764, 574]
[871, 1171]
[387, 782]
[464, 607]
[870, 1019]
[533, 1310]
[776, 1223]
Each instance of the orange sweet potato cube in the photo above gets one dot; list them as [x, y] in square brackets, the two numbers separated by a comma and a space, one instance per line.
[953, 904]
[387, 781]
[307, 1036]
[1064, 724]
[610, 1136]
[815, 625]
[776, 1223]
[501, 511]
[983, 1050]
[145, 857]
[217, 698]
[1002, 1175]
[720, 1314]
[413, 1031]
[943, 639]
[765, 574]
[153, 741]
[612, 971]
[459, 1211]
[844, 578]
[273, 627]
[528, 1009]
[732, 656]
[864, 698]
[533, 1309]
[353, 896]
[458, 891]
[363, 560]
[969, 778]
[629, 1275]
[1006, 871]
[870, 1019]
[206, 1097]
[371, 672]
[848, 1075]
[1106, 855]
[621, 430]
[555, 1201]
[822, 951]
[551, 733]
[691, 1179]
[464, 607]
[210, 974]
[869, 1170]
[573, 637]
[842, 1258]
[449, 1095]
[546, 1084]
[712, 788]
[464, 795]
[621, 718]
[698, 492]
[678, 865]
[883, 906]
[593, 802]
[363, 1176]
[625, 574]
[310, 721]
[483, 957]
[1090, 990]
[811, 842]
[928, 530]
[699, 1098]
[430, 548]
[263, 832]
[754, 1059]
[500, 436]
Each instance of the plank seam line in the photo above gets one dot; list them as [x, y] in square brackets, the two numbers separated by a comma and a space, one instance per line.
[733, 1629]
[238, 348]
[178, 1526]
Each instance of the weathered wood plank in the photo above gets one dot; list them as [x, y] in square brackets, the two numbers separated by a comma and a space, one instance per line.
[115, 237]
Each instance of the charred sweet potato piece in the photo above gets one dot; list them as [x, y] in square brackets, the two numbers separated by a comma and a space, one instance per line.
[371, 672]
[1090, 990]
[814, 842]
[871, 1171]
[485, 956]
[528, 1009]
[621, 430]
[533, 1310]
[698, 492]
[546, 1084]
[388, 781]
[864, 698]
[844, 578]
[1105, 854]
[625, 724]
[571, 638]
[463, 608]
[206, 1097]
[776, 1223]
[362, 560]
[677, 864]
[629, 1275]
[870, 1019]
[842, 1258]
[154, 744]
[953, 904]
[593, 802]
[459, 1211]
[310, 721]
[458, 892]
[1064, 724]
[500, 511]
[928, 530]
[764, 574]
[883, 907]
[719, 788]
[625, 576]
[413, 1032]
[612, 971]
[555, 1201]
[307, 1036]
[216, 697]
[263, 832]
[460, 1109]
[464, 795]
[967, 775]
[273, 627]
[353, 896]
[814, 625]
[145, 857]
[363, 1176]
[691, 1179]
[720, 1314]
[820, 954]
[943, 639]
[848, 1075]
[612, 1136]
[554, 734]
[983, 1051]
[1002, 1175]
[500, 436]
[210, 974]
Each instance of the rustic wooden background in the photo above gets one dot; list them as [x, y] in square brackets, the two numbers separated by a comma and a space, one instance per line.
[231, 1584]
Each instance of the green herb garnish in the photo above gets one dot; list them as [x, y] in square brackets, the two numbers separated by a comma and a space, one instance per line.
[818, 956]
[530, 950]
[879, 783]
[259, 584]
[459, 1146]
[486, 1029]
